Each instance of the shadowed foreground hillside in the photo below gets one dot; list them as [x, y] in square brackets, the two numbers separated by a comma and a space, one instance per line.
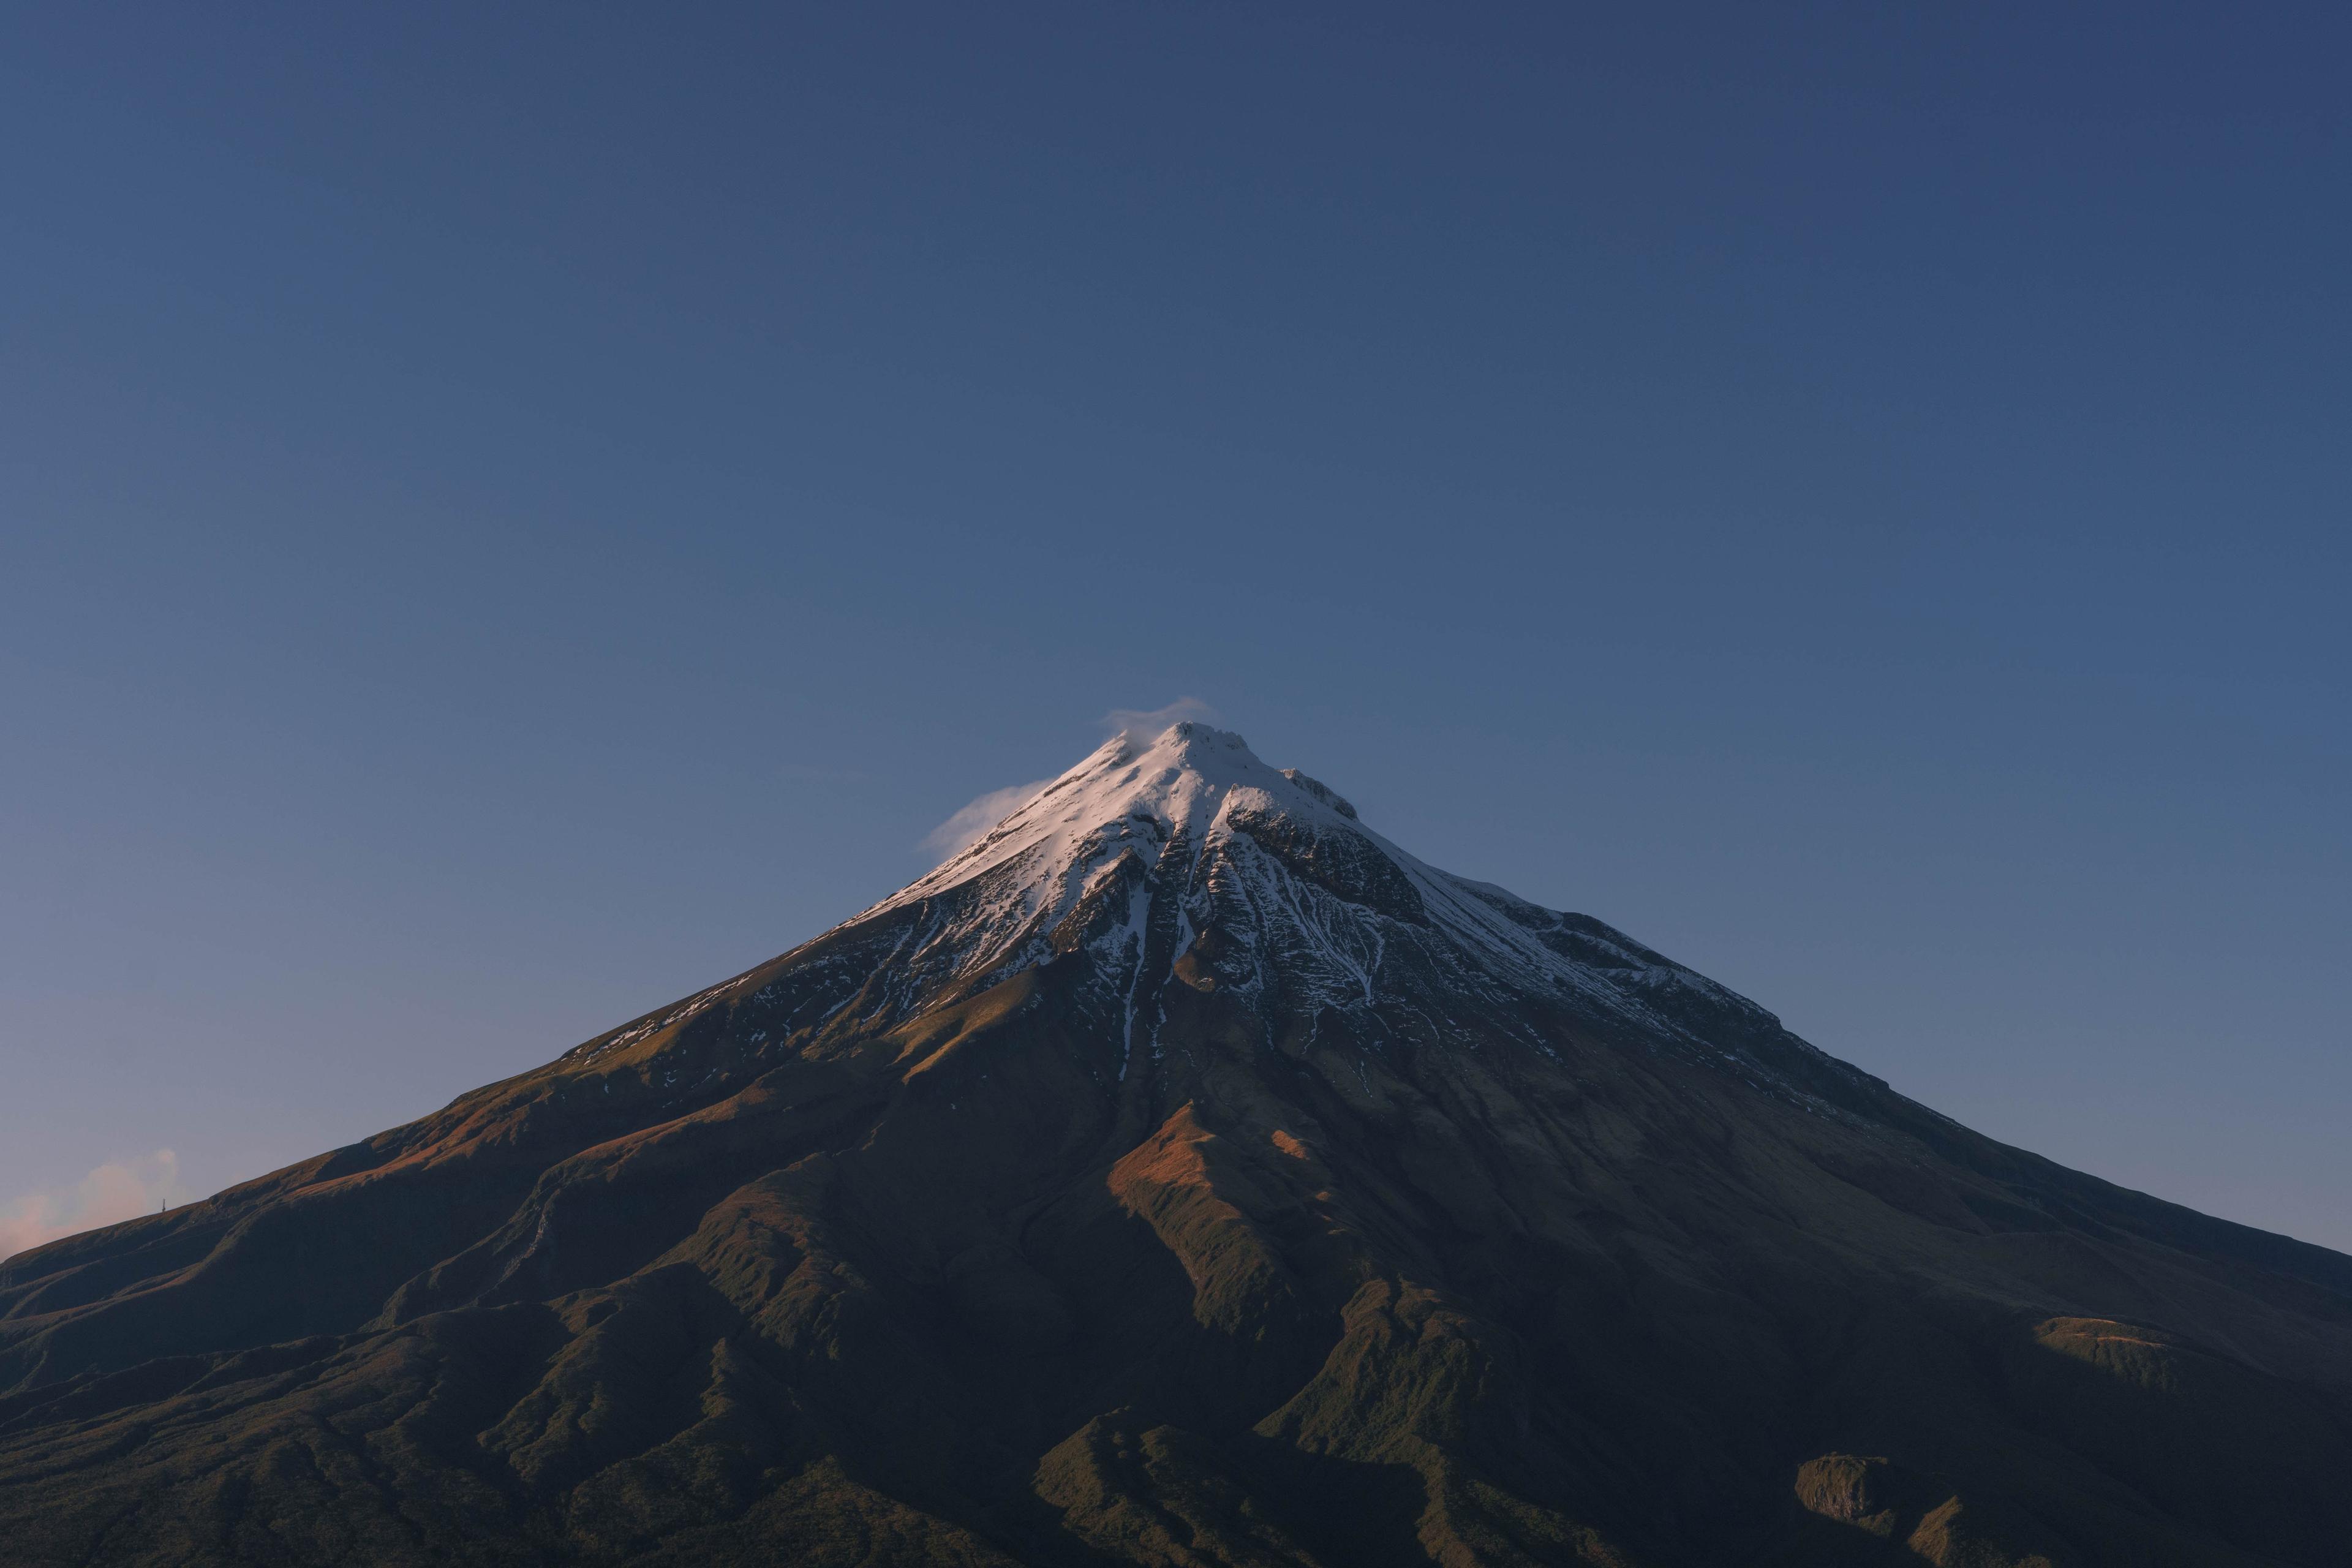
[1183, 1175]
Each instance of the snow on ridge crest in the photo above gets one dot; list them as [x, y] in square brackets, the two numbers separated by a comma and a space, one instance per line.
[1179, 792]
[1180, 782]
[1200, 792]
[1187, 784]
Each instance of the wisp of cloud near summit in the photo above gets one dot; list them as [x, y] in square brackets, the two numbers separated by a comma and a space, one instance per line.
[961, 831]
[1146, 723]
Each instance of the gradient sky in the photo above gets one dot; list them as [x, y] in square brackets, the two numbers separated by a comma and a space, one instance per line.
[508, 515]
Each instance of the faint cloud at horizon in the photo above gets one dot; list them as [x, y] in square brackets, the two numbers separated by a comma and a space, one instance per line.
[118, 1190]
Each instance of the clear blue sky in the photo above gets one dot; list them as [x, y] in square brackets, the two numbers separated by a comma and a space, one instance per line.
[508, 515]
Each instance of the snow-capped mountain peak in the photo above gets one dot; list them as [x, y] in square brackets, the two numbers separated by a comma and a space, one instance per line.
[1127, 793]
[1183, 859]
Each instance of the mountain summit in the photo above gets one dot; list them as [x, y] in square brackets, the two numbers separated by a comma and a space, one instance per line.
[1183, 1174]
[1188, 847]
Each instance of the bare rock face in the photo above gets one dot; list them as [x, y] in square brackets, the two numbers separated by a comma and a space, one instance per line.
[1183, 1174]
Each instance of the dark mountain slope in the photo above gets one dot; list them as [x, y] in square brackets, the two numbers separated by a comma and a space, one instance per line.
[1182, 1175]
